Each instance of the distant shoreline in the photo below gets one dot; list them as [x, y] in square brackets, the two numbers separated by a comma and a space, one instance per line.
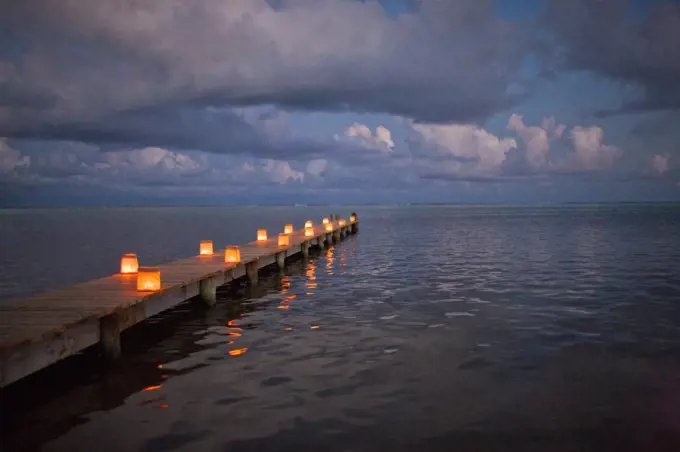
[415, 204]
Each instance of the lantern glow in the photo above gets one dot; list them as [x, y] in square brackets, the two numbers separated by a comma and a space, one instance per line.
[309, 232]
[232, 255]
[288, 229]
[308, 224]
[352, 218]
[329, 227]
[206, 248]
[261, 235]
[341, 223]
[128, 263]
[325, 221]
[284, 240]
[148, 279]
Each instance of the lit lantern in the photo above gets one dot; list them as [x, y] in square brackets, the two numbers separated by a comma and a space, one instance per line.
[309, 232]
[352, 218]
[149, 279]
[308, 224]
[284, 240]
[232, 255]
[329, 227]
[325, 221]
[288, 229]
[261, 235]
[128, 263]
[341, 223]
[206, 248]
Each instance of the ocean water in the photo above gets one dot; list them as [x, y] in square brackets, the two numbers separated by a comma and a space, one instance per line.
[553, 328]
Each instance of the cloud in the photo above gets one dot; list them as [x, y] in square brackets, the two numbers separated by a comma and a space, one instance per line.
[535, 139]
[601, 36]
[381, 140]
[460, 150]
[660, 163]
[143, 72]
[589, 151]
[467, 152]
[83, 165]
[11, 159]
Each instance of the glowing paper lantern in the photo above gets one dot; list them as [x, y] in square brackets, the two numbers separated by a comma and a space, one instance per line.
[325, 221]
[148, 279]
[308, 224]
[284, 240]
[232, 255]
[329, 227]
[128, 263]
[341, 223]
[206, 248]
[261, 235]
[309, 232]
[352, 218]
[288, 229]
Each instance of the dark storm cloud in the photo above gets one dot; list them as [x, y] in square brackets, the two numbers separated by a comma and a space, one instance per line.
[602, 36]
[82, 62]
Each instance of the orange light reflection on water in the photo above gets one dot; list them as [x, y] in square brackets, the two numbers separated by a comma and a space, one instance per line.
[152, 388]
[238, 351]
[233, 325]
[310, 273]
[330, 259]
[285, 285]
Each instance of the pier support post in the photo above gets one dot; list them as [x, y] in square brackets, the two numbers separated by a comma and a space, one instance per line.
[281, 260]
[336, 236]
[251, 272]
[355, 228]
[304, 249]
[109, 336]
[208, 291]
[321, 241]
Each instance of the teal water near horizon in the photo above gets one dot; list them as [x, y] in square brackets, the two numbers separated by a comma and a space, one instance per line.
[436, 328]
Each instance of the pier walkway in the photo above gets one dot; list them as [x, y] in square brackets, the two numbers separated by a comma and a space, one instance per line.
[45, 328]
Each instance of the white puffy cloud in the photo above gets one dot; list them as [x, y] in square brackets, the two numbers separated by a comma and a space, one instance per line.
[359, 157]
[148, 158]
[281, 172]
[537, 141]
[316, 167]
[382, 140]
[660, 163]
[11, 159]
[589, 151]
[458, 149]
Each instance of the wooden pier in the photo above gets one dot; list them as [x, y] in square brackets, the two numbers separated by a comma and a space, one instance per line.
[45, 328]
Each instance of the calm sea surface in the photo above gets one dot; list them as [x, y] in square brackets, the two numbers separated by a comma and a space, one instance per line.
[434, 329]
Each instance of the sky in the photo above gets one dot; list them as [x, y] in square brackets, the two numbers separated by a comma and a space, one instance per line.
[338, 101]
